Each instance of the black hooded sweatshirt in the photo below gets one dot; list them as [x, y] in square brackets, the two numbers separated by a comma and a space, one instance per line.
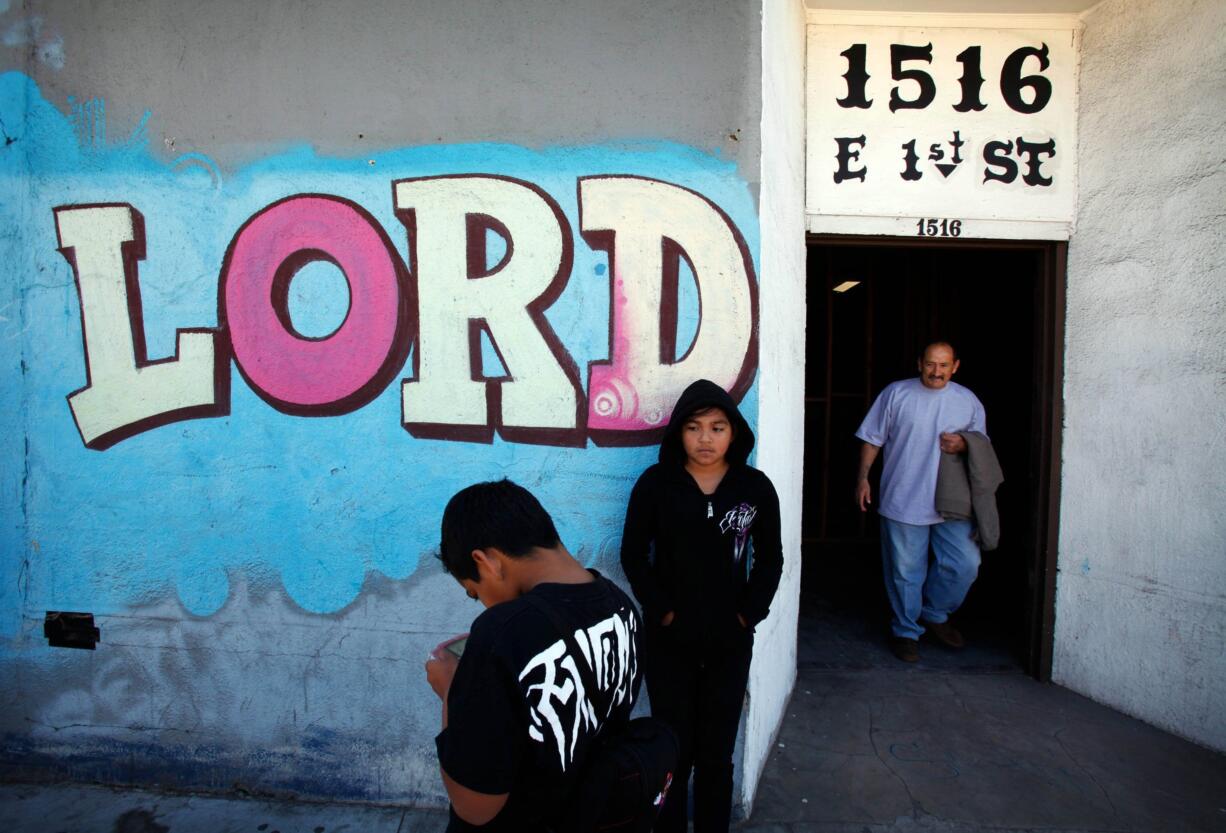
[688, 552]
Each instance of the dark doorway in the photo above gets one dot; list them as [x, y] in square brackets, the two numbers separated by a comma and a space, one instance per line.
[1001, 305]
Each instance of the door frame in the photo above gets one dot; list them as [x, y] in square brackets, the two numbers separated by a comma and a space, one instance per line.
[1047, 398]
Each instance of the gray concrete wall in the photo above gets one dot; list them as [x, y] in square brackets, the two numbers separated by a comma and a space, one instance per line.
[263, 581]
[234, 78]
[1141, 598]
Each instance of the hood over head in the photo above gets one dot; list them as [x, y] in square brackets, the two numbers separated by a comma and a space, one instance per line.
[699, 396]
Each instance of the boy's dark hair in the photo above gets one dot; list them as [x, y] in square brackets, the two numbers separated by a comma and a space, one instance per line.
[499, 514]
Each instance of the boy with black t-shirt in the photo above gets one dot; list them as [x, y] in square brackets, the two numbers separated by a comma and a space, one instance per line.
[518, 721]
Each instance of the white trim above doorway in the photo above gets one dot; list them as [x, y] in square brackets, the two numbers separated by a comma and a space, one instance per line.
[944, 20]
[937, 228]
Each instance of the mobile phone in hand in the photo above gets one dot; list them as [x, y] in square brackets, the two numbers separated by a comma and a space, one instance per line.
[455, 646]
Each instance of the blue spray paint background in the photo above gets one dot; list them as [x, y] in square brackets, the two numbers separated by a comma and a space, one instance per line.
[316, 504]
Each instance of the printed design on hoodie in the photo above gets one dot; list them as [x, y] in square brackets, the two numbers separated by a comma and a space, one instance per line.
[557, 702]
[739, 519]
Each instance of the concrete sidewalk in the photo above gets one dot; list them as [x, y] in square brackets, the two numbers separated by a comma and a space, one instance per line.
[959, 742]
[963, 741]
[863, 751]
[929, 750]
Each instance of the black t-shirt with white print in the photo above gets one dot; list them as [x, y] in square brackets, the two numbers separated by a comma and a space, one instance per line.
[520, 719]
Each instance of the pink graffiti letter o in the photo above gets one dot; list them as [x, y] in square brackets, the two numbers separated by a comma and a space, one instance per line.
[292, 372]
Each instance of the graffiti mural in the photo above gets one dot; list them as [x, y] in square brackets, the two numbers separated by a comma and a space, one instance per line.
[661, 226]
[443, 303]
[282, 371]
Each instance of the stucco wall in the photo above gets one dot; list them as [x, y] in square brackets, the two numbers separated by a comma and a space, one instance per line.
[781, 382]
[251, 520]
[1141, 598]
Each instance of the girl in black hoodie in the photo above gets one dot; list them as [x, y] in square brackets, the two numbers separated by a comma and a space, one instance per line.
[701, 549]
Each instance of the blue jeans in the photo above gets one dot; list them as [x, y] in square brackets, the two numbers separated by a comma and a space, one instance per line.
[917, 590]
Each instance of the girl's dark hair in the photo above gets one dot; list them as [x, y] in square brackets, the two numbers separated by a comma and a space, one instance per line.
[499, 514]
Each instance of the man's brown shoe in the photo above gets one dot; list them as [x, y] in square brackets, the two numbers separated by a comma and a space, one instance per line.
[945, 633]
[905, 649]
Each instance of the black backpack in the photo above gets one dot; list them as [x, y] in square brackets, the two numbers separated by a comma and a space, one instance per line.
[628, 770]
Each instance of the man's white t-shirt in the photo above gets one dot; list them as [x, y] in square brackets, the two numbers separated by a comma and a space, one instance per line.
[907, 420]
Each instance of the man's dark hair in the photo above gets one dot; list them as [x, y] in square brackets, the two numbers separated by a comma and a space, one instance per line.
[938, 343]
[498, 514]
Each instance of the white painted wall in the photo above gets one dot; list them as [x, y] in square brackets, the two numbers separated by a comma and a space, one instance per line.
[1141, 599]
[781, 380]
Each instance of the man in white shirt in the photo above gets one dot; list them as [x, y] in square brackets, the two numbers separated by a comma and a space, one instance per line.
[915, 420]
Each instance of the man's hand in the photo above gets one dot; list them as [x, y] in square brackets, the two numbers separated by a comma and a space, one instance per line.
[667, 618]
[864, 492]
[440, 670]
[953, 443]
[864, 495]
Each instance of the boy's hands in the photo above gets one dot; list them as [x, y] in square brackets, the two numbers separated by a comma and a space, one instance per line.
[440, 671]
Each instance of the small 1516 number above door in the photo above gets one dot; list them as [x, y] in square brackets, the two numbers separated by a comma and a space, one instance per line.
[932, 227]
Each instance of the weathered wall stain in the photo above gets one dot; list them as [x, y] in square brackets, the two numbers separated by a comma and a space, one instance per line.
[139, 821]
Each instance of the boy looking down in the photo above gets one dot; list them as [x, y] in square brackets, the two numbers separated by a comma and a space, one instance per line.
[518, 721]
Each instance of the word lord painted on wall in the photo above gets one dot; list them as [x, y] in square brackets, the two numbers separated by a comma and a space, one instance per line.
[441, 307]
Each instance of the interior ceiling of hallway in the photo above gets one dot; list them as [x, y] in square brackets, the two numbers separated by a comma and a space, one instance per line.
[958, 6]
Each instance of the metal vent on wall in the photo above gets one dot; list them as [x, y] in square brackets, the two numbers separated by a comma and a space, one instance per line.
[65, 629]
